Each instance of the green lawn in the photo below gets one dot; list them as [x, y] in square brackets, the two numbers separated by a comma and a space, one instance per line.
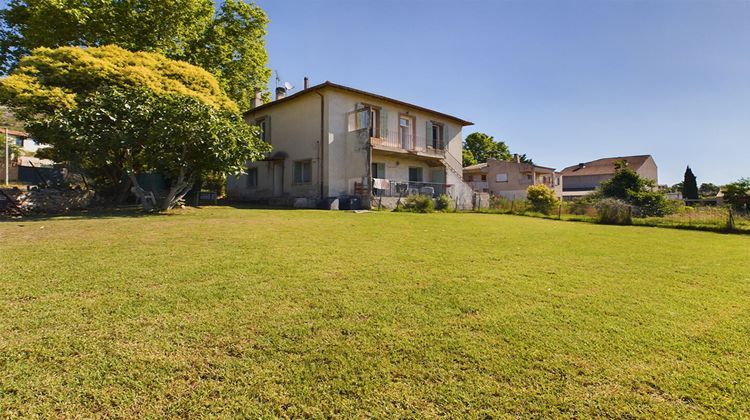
[246, 312]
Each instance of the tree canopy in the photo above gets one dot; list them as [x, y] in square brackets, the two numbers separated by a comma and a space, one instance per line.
[630, 187]
[228, 42]
[115, 114]
[483, 147]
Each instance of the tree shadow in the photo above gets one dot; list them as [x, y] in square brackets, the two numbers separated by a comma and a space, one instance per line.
[93, 213]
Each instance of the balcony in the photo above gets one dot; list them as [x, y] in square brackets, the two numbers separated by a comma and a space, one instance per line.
[396, 188]
[400, 142]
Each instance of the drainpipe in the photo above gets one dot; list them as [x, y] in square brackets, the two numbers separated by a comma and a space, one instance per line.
[322, 137]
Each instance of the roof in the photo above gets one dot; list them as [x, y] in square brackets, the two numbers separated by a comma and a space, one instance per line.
[16, 133]
[604, 166]
[328, 84]
[480, 166]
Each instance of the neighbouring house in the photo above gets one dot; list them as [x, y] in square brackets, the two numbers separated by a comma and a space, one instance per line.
[336, 144]
[584, 178]
[510, 179]
[23, 167]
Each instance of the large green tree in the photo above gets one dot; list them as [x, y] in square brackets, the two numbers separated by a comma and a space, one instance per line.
[228, 42]
[708, 189]
[630, 187]
[737, 194]
[689, 185]
[483, 147]
[116, 114]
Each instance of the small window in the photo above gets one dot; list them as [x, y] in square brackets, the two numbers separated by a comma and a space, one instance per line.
[302, 171]
[484, 177]
[378, 170]
[252, 177]
[19, 141]
[436, 137]
[263, 125]
[415, 174]
[501, 178]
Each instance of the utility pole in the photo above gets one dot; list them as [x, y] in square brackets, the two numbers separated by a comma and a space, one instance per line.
[7, 157]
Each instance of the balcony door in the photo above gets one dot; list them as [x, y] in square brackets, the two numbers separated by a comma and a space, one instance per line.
[405, 132]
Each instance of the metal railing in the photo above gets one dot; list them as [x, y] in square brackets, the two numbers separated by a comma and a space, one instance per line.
[407, 141]
[396, 188]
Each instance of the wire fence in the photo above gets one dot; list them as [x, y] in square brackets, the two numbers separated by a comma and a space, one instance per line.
[713, 218]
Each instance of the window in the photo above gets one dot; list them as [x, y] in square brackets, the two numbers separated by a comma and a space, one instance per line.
[252, 177]
[19, 141]
[264, 124]
[415, 174]
[435, 135]
[378, 170]
[501, 178]
[484, 177]
[302, 171]
[405, 132]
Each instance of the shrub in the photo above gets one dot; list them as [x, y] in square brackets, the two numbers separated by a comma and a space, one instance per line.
[652, 203]
[443, 202]
[419, 204]
[542, 198]
[614, 212]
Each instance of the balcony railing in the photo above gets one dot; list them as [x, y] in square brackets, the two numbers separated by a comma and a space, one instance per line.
[408, 142]
[397, 188]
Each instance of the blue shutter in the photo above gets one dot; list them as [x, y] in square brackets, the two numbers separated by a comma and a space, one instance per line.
[446, 135]
[428, 134]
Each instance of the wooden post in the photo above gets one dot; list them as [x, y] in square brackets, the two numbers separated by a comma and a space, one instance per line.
[7, 157]
[730, 221]
[559, 212]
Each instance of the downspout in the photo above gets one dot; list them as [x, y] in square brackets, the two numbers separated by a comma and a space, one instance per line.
[322, 135]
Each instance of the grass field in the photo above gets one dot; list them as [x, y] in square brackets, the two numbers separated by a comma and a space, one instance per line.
[240, 312]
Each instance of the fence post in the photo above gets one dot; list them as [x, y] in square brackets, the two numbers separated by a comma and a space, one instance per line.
[730, 221]
[559, 212]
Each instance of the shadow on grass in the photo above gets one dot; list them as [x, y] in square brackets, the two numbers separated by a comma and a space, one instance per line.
[94, 213]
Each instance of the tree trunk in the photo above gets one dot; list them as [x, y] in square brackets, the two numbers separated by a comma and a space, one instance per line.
[142, 194]
[176, 192]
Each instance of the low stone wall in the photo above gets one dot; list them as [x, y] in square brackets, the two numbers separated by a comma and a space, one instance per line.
[49, 200]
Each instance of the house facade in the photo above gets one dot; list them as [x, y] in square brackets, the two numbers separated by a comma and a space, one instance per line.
[584, 178]
[334, 142]
[511, 179]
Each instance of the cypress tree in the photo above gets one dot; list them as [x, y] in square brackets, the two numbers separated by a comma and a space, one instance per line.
[689, 185]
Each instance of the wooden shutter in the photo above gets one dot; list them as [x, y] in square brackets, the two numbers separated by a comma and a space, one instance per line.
[428, 134]
[383, 123]
[268, 130]
[446, 135]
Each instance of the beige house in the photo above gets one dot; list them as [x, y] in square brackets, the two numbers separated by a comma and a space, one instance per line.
[510, 179]
[584, 178]
[335, 142]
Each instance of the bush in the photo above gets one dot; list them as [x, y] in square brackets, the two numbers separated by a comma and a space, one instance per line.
[614, 212]
[653, 203]
[443, 202]
[542, 198]
[419, 204]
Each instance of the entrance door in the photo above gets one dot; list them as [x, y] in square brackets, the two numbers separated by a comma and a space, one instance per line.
[278, 179]
[404, 131]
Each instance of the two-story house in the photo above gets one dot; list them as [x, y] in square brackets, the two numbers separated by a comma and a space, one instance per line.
[510, 179]
[332, 142]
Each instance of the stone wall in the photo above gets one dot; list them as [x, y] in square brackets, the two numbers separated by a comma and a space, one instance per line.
[50, 200]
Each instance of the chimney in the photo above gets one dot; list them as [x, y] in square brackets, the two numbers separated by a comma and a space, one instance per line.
[581, 165]
[516, 158]
[280, 92]
[257, 100]
[307, 82]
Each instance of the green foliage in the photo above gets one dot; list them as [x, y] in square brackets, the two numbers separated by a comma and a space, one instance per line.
[708, 190]
[542, 198]
[443, 202]
[483, 147]
[613, 211]
[228, 42]
[13, 150]
[419, 204]
[115, 132]
[689, 185]
[737, 194]
[626, 185]
[468, 158]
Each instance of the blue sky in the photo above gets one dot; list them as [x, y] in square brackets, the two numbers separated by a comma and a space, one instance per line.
[562, 81]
